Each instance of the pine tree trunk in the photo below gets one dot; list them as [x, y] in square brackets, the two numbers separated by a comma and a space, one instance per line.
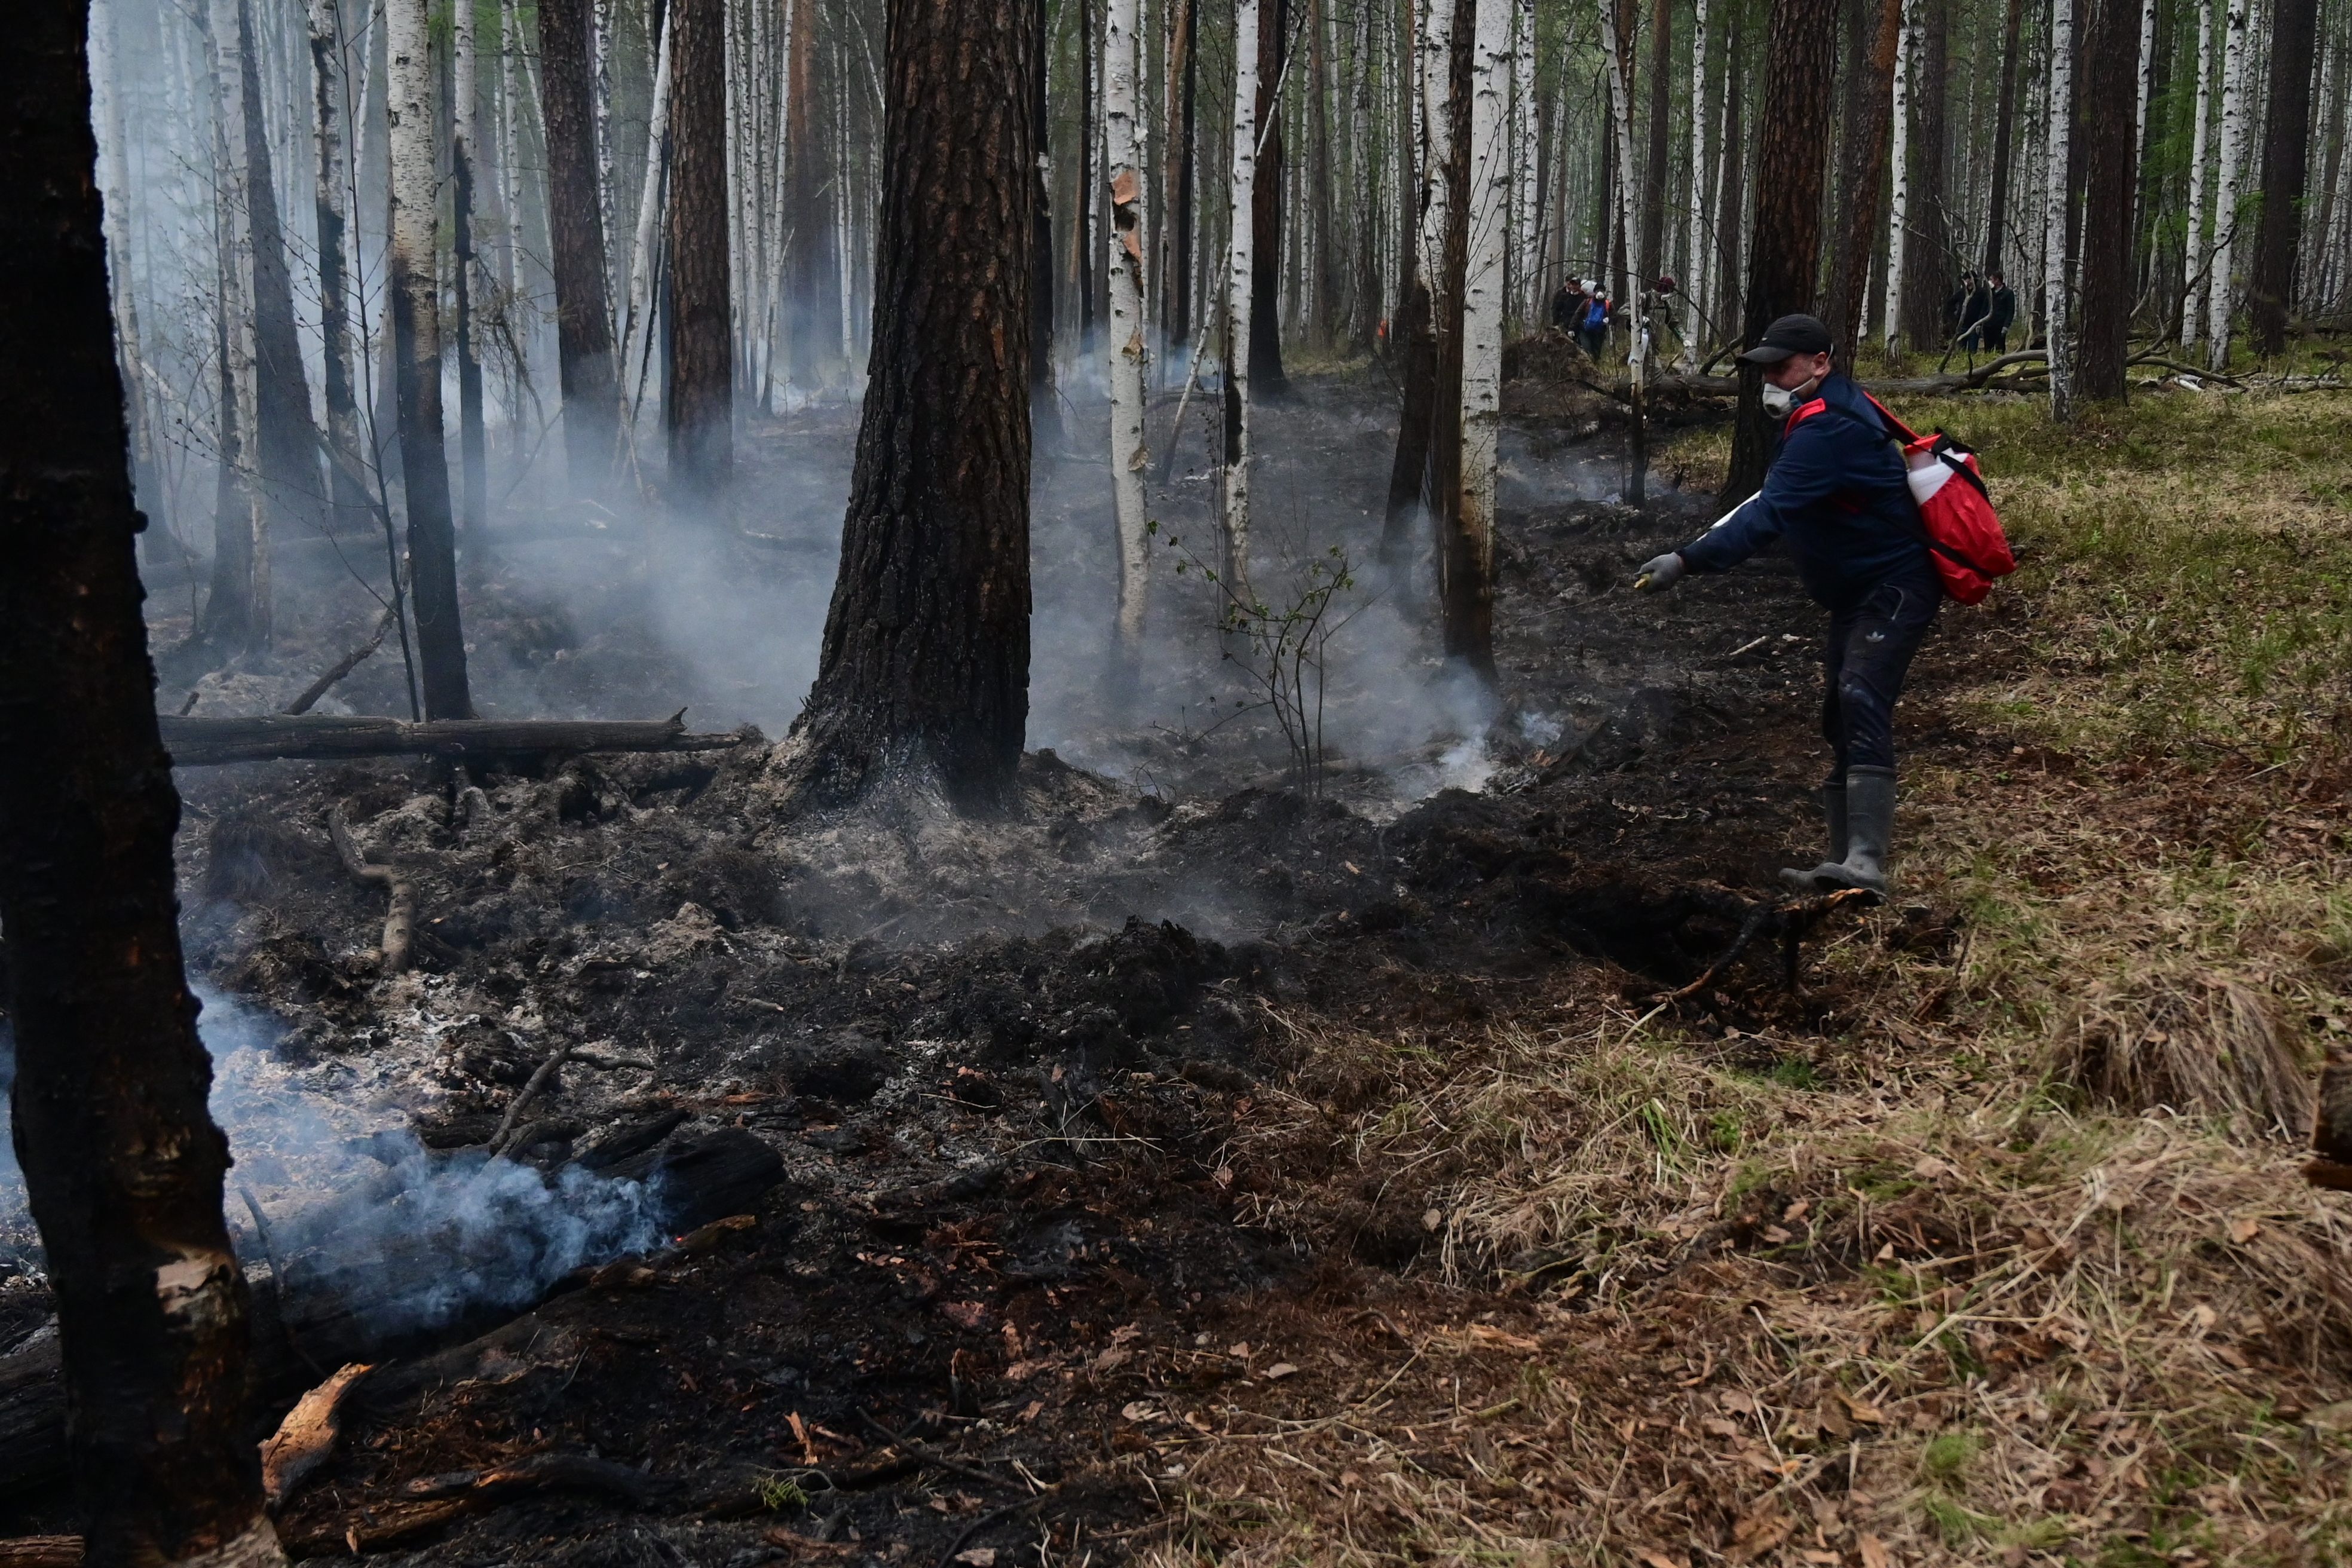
[473, 440]
[925, 667]
[2221, 301]
[698, 402]
[2055, 273]
[1800, 54]
[1997, 202]
[1241, 284]
[1656, 186]
[1469, 558]
[122, 1165]
[810, 270]
[1928, 254]
[1324, 326]
[349, 495]
[583, 319]
[417, 343]
[1267, 380]
[1122, 66]
[284, 441]
[1368, 294]
[2193, 261]
[237, 616]
[1861, 167]
[1731, 208]
[2286, 149]
[1414, 334]
[1045, 405]
[1176, 250]
[2110, 61]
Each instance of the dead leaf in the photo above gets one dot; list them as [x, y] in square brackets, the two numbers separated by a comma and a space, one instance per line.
[2242, 1231]
[1653, 1558]
[1718, 1426]
[1797, 1211]
[1835, 1420]
[1140, 1410]
[1488, 1334]
[1756, 1535]
[1930, 1168]
[306, 1436]
[1239, 1352]
[1113, 1359]
[1868, 1414]
[1278, 1371]
[1738, 1400]
[1874, 1553]
[971, 1315]
[977, 1556]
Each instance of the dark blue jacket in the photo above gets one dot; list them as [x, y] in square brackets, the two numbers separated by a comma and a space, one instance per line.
[1836, 491]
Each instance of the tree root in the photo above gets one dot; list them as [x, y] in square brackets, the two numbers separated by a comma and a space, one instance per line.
[398, 950]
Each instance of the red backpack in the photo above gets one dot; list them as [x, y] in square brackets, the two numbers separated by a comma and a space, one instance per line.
[1963, 534]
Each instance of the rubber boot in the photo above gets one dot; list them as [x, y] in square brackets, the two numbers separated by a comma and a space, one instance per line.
[1870, 830]
[1834, 817]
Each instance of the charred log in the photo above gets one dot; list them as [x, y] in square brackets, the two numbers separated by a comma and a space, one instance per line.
[196, 742]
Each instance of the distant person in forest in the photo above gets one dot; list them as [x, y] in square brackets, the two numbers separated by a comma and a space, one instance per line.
[2000, 312]
[1596, 320]
[1838, 492]
[1975, 303]
[1567, 306]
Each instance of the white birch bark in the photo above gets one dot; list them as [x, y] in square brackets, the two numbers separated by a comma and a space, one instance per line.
[2192, 297]
[1899, 224]
[1621, 116]
[1527, 274]
[844, 246]
[1434, 49]
[2057, 272]
[1122, 51]
[2147, 80]
[1242, 183]
[1491, 162]
[2220, 297]
[1702, 158]
[638, 325]
[235, 245]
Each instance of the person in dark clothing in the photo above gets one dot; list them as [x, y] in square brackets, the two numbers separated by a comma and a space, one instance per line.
[1568, 307]
[1838, 492]
[1973, 311]
[1596, 322]
[1999, 312]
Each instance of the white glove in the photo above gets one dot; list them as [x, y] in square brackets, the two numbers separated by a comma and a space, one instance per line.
[1661, 573]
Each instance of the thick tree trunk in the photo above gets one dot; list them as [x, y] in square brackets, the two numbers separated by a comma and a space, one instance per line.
[237, 616]
[1323, 321]
[2221, 296]
[698, 403]
[1045, 405]
[1267, 380]
[122, 1165]
[811, 264]
[1414, 334]
[1929, 255]
[2287, 151]
[1176, 249]
[926, 656]
[2056, 272]
[284, 441]
[1656, 185]
[1997, 203]
[1469, 558]
[584, 313]
[1123, 150]
[344, 463]
[2110, 60]
[1801, 53]
[417, 341]
[1861, 166]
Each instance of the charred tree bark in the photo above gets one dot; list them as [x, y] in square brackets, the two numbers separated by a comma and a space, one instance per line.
[2287, 151]
[1654, 184]
[1799, 52]
[196, 742]
[1862, 165]
[1997, 208]
[122, 1165]
[926, 657]
[285, 442]
[1184, 86]
[1412, 336]
[351, 501]
[1045, 406]
[1268, 380]
[698, 407]
[575, 221]
[473, 439]
[417, 345]
[811, 263]
[2110, 58]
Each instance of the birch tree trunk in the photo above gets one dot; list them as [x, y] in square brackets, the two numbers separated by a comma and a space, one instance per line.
[924, 676]
[1469, 562]
[1241, 274]
[1615, 30]
[698, 402]
[2221, 297]
[123, 1166]
[636, 330]
[1898, 228]
[1414, 334]
[2194, 262]
[238, 616]
[2056, 272]
[1526, 303]
[1122, 63]
[416, 344]
[1702, 154]
[1731, 206]
[343, 444]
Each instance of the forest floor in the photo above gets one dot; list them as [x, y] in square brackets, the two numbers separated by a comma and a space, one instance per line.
[1197, 1168]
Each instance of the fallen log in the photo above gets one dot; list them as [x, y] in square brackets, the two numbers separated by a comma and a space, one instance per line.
[397, 950]
[324, 737]
[41, 1552]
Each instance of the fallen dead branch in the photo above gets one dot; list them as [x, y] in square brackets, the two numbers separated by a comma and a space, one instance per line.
[307, 1437]
[400, 917]
[41, 1552]
[431, 1501]
[538, 1078]
[314, 737]
[342, 666]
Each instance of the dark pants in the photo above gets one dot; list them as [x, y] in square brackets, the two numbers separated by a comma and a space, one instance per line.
[1871, 644]
[1595, 339]
[1995, 339]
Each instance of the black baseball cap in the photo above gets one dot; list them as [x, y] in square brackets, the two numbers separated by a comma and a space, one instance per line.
[1789, 335]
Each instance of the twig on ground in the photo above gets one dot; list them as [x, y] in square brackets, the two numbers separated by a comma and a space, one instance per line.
[555, 1058]
[400, 916]
[342, 667]
[930, 1456]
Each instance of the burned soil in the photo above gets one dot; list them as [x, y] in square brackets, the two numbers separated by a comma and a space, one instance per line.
[989, 1073]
